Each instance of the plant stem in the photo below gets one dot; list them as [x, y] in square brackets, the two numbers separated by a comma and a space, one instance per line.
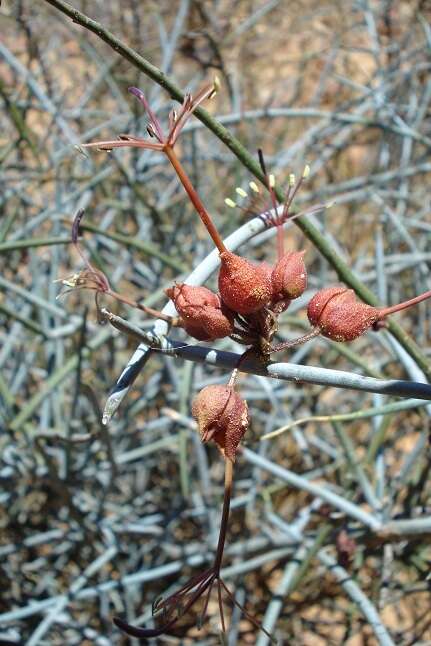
[402, 306]
[228, 476]
[132, 242]
[280, 241]
[13, 245]
[195, 199]
[171, 320]
[299, 341]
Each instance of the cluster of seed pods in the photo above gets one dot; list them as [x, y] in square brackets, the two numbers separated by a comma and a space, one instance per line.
[250, 296]
[250, 299]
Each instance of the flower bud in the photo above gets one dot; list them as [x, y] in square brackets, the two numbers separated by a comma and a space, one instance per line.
[222, 416]
[339, 315]
[289, 277]
[244, 286]
[203, 314]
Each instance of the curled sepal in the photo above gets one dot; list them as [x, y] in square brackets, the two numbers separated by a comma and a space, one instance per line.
[202, 313]
[244, 286]
[339, 315]
[88, 278]
[289, 277]
[180, 602]
[172, 608]
[222, 416]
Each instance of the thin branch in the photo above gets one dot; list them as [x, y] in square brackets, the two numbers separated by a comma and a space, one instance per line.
[285, 371]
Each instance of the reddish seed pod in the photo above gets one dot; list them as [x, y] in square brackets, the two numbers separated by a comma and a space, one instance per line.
[339, 315]
[222, 416]
[289, 277]
[203, 314]
[319, 302]
[244, 286]
[266, 267]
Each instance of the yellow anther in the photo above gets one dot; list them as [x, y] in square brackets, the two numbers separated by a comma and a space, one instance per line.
[272, 180]
[306, 172]
[216, 87]
[292, 179]
[254, 187]
[230, 203]
[241, 191]
[70, 281]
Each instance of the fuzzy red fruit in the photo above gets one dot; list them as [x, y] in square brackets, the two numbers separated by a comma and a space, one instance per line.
[339, 315]
[266, 267]
[289, 277]
[244, 286]
[222, 416]
[203, 314]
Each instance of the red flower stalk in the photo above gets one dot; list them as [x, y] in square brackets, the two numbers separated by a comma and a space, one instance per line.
[94, 279]
[337, 313]
[202, 313]
[165, 143]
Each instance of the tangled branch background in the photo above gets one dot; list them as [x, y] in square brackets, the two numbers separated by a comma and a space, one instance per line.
[328, 538]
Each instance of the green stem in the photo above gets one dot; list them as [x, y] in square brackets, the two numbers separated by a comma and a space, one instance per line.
[310, 231]
[26, 243]
[322, 535]
[129, 241]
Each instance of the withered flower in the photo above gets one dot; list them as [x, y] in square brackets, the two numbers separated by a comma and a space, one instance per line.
[90, 277]
[176, 122]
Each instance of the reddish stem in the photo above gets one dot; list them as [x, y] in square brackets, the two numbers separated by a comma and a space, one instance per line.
[280, 241]
[402, 306]
[299, 341]
[194, 197]
[172, 320]
[228, 476]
